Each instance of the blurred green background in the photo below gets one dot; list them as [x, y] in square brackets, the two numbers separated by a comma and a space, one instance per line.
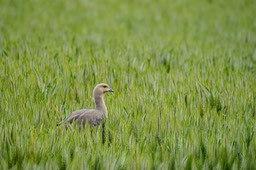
[183, 74]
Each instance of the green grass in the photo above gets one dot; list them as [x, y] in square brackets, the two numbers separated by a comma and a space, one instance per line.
[183, 74]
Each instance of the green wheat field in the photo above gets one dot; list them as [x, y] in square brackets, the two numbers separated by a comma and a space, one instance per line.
[183, 71]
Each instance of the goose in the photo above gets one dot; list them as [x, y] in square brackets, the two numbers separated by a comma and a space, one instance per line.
[92, 116]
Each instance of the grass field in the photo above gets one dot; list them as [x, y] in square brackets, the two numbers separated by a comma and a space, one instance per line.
[184, 75]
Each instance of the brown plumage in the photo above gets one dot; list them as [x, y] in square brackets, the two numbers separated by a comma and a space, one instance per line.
[92, 116]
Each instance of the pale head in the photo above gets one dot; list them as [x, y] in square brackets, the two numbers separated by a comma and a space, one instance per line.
[102, 88]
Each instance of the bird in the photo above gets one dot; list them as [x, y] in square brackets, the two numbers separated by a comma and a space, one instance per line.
[94, 117]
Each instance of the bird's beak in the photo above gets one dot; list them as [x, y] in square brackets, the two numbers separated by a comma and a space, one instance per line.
[110, 90]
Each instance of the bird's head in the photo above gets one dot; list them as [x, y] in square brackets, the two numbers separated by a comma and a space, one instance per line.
[102, 88]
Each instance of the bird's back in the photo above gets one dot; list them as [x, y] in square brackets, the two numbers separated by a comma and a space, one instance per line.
[94, 117]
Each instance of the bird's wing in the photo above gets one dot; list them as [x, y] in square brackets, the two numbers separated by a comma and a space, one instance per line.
[73, 116]
[93, 117]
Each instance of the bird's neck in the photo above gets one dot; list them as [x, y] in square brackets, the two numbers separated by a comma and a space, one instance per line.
[100, 104]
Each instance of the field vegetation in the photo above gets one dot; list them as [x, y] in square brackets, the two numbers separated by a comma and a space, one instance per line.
[183, 71]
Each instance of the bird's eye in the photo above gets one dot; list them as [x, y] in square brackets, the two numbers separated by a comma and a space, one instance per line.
[105, 86]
